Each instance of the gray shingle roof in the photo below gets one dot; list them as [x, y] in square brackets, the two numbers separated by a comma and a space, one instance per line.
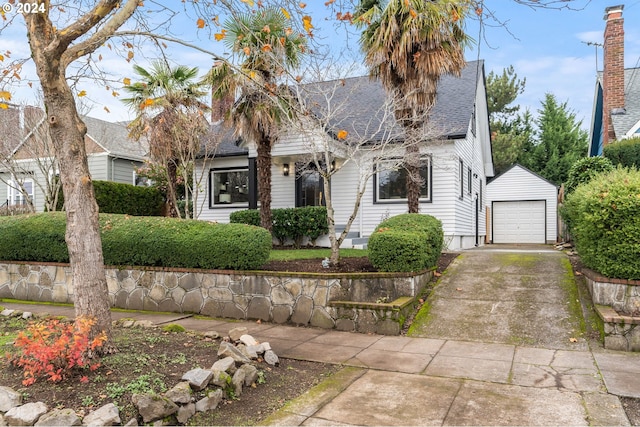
[622, 123]
[114, 137]
[356, 105]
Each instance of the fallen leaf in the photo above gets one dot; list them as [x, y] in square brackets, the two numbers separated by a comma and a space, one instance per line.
[458, 289]
[573, 339]
[437, 274]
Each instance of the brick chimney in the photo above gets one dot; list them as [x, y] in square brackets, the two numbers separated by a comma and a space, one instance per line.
[613, 74]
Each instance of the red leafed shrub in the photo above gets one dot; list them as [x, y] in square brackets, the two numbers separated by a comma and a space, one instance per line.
[52, 349]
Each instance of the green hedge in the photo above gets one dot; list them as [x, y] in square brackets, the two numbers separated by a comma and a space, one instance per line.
[604, 215]
[289, 223]
[140, 241]
[625, 152]
[407, 242]
[585, 169]
[119, 198]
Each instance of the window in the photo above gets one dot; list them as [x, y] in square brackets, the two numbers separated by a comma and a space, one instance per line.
[469, 181]
[461, 179]
[15, 194]
[229, 187]
[391, 185]
[141, 181]
[309, 186]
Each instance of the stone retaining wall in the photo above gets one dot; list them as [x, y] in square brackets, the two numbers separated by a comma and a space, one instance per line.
[301, 298]
[617, 302]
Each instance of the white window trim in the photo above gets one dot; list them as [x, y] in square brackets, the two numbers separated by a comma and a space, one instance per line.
[429, 185]
[13, 191]
[212, 172]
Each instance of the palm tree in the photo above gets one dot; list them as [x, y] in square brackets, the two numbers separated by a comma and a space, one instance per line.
[169, 114]
[268, 47]
[408, 45]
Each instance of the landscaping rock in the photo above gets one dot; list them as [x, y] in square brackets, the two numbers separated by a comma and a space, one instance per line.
[221, 379]
[185, 412]
[107, 415]
[144, 324]
[180, 393]
[27, 315]
[211, 334]
[256, 349]
[236, 333]
[266, 346]
[60, 417]
[198, 378]
[250, 374]
[25, 415]
[9, 398]
[131, 423]
[229, 350]
[153, 407]
[252, 355]
[6, 312]
[248, 340]
[227, 364]
[271, 358]
[210, 402]
[238, 381]
[3, 423]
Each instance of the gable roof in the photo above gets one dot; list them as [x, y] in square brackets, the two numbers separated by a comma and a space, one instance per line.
[519, 166]
[114, 138]
[359, 101]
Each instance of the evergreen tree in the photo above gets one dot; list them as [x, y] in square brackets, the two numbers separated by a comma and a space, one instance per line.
[560, 143]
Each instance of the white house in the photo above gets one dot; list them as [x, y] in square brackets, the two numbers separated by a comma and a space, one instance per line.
[456, 161]
[523, 207]
[112, 156]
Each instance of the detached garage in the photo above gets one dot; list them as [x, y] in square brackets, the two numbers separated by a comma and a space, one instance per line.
[523, 207]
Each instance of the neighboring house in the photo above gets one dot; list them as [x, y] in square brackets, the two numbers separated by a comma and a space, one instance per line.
[454, 169]
[616, 110]
[112, 156]
[523, 207]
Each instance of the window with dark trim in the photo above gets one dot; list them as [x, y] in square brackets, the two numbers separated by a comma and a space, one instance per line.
[309, 186]
[229, 187]
[461, 179]
[390, 185]
[469, 181]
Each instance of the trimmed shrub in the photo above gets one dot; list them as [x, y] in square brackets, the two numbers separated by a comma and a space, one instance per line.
[585, 169]
[407, 242]
[625, 152]
[605, 222]
[289, 223]
[141, 241]
[119, 198]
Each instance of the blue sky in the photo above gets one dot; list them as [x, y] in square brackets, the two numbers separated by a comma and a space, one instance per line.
[547, 47]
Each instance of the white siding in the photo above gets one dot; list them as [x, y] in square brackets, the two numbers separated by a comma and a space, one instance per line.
[204, 212]
[520, 184]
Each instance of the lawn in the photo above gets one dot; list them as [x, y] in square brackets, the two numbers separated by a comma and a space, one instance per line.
[296, 254]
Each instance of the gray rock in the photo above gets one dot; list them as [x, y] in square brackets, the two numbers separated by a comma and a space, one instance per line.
[236, 333]
[9, 398]
[224, 365]
[248, 340]
[245, 351]
[6, 312]
[25, 415]
[238, 381]
[143, 324]
[153, 407]
[250, 374]
[210, 402]
[27, 315]
[127, 323]
[266, 346]
[3, 423]
[257, 349]
[271, 358]
[211, 334]
[221, 379]
[229, 350]
[131, 423]
[185, 412]
[180, 393]
[107, 415]
[198, 378]
[60, 417]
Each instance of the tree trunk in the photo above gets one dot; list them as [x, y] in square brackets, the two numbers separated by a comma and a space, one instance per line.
[264, 182]
[172, 195]
[412, 165]
[91, 296]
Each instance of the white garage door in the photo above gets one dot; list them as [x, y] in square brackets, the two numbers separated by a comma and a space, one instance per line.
[519, 222]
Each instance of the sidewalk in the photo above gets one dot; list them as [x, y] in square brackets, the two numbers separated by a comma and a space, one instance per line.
[437, 381]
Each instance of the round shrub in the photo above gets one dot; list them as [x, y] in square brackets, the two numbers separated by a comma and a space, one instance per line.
[140, 241]
[625, 152]
[585, 169]
[605, 223]
[424, 244]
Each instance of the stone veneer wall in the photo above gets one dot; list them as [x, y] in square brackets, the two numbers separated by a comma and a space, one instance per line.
[617, 302]
[302, 299]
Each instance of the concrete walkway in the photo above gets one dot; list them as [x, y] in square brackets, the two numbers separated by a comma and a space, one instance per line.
[528, 372]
